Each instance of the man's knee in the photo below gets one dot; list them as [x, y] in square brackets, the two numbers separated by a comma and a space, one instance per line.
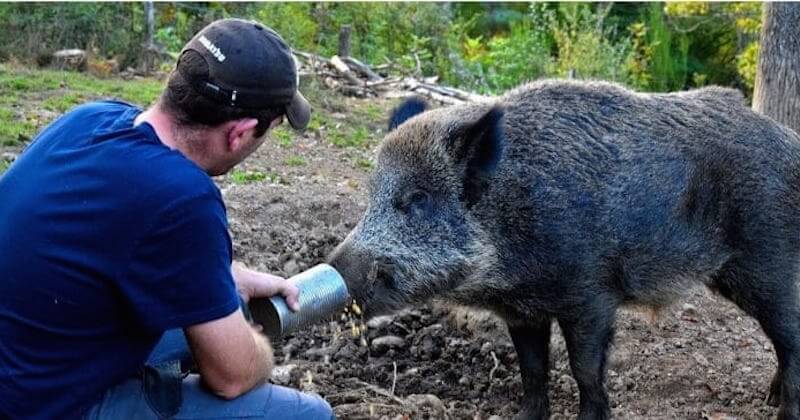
[319, 408]
[306, 406]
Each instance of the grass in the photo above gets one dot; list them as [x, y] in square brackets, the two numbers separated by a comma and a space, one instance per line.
[364, 163]
[242, 177]
[295, 161]
[13, 129]
[283, 137]
[4, 164]
[31, 99]
[239, 176]
[358, 137]
[318, 121]
[25, 92]
[274, 178]
[372, 112]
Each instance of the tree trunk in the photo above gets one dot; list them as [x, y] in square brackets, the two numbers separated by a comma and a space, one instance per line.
[344, 41]
[777, 91]
[148, 53]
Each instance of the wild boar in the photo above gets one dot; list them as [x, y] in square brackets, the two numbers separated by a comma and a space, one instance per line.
[563, 200]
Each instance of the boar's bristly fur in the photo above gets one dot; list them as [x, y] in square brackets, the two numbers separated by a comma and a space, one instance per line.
[565, 200]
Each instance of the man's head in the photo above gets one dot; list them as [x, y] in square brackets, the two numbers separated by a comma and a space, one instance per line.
[233, 81]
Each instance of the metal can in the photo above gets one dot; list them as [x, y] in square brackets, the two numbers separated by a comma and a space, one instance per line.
[323, 292]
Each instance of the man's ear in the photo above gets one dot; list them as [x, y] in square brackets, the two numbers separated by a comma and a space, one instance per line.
[477, 147]
[238, 130]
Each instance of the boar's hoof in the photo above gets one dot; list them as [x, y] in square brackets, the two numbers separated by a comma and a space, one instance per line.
[533, 413]
[774, 396]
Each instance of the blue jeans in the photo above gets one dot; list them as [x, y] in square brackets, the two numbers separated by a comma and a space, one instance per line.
[163, 392]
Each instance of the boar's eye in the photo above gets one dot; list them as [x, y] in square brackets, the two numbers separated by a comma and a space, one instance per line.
[416, 202]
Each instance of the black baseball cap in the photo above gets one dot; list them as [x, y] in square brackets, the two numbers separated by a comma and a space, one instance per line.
[249, 66]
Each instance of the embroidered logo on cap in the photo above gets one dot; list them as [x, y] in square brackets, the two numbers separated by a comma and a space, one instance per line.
[213, 49]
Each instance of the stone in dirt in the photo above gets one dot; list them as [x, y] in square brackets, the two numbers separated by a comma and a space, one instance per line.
[387, 342]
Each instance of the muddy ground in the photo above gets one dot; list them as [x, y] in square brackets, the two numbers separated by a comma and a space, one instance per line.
[701, 359]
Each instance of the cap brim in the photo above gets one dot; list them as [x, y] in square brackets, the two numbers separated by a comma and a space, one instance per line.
[298, 112]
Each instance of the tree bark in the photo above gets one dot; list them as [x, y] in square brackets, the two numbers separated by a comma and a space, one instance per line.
[148, 53]
[777, 90]
[344, 41]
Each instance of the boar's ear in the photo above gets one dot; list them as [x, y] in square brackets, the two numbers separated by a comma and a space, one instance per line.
[406, 110]
[478, 146]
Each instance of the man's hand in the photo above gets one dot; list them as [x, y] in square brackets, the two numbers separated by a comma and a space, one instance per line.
[252, 284]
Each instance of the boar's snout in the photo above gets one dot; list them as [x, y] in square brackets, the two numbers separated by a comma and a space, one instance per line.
[363, 271]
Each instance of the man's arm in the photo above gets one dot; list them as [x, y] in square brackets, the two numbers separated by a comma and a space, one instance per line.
[232, 356]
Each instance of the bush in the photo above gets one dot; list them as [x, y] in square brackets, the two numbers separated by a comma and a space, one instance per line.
[32, 30]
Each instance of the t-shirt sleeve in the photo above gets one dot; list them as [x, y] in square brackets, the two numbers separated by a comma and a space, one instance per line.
[180, 269]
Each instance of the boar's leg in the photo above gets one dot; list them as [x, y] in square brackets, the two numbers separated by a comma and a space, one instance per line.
[588, 336]
[774, 396]
[532, 342]
[768, 293]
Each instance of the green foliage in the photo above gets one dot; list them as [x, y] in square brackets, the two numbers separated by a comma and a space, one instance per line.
[586, 45]
[35, 30]
[294, 21]
[640, 60]
[488, 47]
[721, 39]
[4, 165]
[746, 64]
[668, 60]
[504, 66]
[747, 18]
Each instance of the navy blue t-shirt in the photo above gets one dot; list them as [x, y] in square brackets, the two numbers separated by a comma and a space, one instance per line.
[107, 239]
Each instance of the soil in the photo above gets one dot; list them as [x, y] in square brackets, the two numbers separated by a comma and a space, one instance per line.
[701, 359]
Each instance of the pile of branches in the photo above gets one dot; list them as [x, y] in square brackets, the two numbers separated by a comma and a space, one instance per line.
[354, 78]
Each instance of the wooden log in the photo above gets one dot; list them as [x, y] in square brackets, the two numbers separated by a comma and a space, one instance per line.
[73, 59]
[362, 68]
[393, 94]
[342, 74]
[453, 92]
[383, 83]
[312, 59]
[330, 82]
[342, 68]
[355, 90]
[449, 100]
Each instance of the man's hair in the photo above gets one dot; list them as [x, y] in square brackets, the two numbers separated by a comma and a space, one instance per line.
[190, 109]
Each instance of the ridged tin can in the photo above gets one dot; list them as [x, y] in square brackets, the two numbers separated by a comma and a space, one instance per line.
[323, 292]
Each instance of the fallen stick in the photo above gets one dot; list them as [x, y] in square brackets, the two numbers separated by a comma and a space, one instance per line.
[345, 71]
[394, 377]
[380, 391]
[362, 68]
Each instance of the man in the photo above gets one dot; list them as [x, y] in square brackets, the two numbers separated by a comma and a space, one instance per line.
[112, 233]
